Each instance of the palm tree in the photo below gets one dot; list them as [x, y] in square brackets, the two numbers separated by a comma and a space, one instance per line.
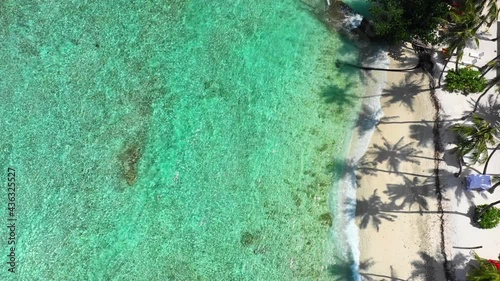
[494, 63]
[477, 216]
[492, 83]
[465, 23]
[413, 192]
[492, 11]
[485, 272]
[395, 154]
[489, 158]
[492, 189]
[474, 139]
[371, 210]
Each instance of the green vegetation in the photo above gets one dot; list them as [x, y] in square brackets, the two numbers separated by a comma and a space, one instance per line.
[474, 139]
[488, 216]
[326, 219]
[465, 80]
[492, 64]
[397, 21]
[485, 272]
[463, 25]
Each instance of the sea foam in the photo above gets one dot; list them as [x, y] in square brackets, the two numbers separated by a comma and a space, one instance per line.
[345, 185]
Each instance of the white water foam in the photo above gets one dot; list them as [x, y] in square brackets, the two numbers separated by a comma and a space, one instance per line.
[352, 21]
[344, 212]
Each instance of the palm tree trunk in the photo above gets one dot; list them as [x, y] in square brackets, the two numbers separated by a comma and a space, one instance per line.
[492, 84]
[488, 14]
[489, 158]
[444, 67]
[493, 204]
[485, 71]
[460, 165]
[492, 189]
[488, 66]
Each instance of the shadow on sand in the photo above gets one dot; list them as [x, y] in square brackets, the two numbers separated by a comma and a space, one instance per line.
[426, 267]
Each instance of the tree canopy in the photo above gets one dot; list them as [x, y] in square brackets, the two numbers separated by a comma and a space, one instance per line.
[475, 138]
[465, 80]
[402, 20]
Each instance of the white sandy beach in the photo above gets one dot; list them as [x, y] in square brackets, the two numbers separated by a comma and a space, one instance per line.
[396, 241]
[458, 230]
[406, 233]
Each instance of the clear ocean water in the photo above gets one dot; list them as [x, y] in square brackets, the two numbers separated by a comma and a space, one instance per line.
[172, 140]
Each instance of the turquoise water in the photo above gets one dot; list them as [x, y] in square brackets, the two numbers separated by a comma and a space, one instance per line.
[360, 6]
[184, 140]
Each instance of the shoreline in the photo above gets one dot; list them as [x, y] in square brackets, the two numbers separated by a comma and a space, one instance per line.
[410, 217]
[414, 216]
[371, 110]
[400, 153]
[345, 190]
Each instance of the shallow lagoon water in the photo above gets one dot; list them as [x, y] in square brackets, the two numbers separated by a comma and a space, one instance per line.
[178, 140]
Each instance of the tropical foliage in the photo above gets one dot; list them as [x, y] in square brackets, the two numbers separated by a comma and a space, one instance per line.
[401, 20]
[489, 217]
[474, 139]
[463, 23]
[492, 64]
[484, 272]
[488, 10]
[465, 80]
[463, 26]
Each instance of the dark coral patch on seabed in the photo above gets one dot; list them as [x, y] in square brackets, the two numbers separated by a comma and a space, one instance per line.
[129, 160]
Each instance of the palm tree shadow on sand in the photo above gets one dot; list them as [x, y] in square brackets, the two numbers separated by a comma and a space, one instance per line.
[489, 111]
[395, 154]
[373, 211]
[426, 268]
[369, 276]
[405, 92]
[368, 119]
[411, 192]
[431, 268]
[423, 133]
[343, 268]
[369, 211]
[337, 95]
[456, 186]
[352, 170]
[366, 275]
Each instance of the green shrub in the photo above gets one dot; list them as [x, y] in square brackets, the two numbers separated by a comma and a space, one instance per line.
[485, 272]
[465, 80]
[397, 21]
[488, 219]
